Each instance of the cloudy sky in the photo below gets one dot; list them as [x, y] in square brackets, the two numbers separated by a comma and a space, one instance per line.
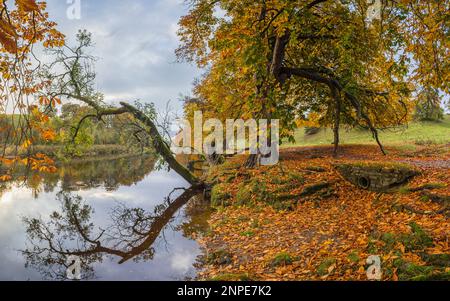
[135, 42]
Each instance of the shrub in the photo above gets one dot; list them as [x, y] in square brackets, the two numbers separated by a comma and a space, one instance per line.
[428, 106]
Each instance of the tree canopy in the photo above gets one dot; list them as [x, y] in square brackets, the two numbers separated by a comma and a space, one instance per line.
[320, 60]
[24, 25]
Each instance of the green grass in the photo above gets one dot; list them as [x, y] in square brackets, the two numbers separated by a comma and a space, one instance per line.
[415, 133]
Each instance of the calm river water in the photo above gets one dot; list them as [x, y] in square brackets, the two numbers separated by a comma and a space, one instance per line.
[102, 220]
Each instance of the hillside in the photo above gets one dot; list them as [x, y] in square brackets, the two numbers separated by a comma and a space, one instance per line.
[419, 133]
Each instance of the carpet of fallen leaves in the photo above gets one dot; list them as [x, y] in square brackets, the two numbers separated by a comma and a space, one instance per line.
[339, 227]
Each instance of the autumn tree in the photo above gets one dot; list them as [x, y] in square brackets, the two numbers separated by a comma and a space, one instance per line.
[24, 24]
[30, 89]
[428, 107]
[296, 59]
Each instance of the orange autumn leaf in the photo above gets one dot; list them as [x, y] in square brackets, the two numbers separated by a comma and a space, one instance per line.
[26, 144]
[394, 275]
[8, 42]
[5, 178]
[27, 5]
[49, 135]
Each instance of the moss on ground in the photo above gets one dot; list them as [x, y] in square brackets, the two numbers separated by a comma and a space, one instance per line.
[354, 257]
[220, 197]
[233, 277]
[408, 271]
[282, 259]
[325, 266]
[416, 241]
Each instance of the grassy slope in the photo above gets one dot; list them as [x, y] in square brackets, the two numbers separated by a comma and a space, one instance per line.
[416, 132]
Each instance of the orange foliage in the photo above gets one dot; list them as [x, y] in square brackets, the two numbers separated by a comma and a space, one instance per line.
[335, 227]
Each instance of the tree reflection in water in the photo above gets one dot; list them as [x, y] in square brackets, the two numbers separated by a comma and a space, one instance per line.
[130, 235]
[84, 175]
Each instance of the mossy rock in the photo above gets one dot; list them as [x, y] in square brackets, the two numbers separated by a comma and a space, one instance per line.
[408, 271]
[442, 260]
[316, 169]
[288, 182]
[354, 257]
[281, 197]
[283, 205]
[281, 259]
[233, 277]
[220, 197]
[312, 189]
[417, 240]
[324, 267]
[282, 192]
[376, 176]
[444, 200]
[428, 186]
[435, 276]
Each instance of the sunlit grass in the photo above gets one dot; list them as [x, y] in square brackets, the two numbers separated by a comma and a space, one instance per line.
[420, 133]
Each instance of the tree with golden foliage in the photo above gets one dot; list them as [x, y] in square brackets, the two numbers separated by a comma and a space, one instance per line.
[293, 59]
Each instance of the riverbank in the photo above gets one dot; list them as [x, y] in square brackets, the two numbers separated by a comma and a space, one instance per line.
[93, 153]
[301, 220]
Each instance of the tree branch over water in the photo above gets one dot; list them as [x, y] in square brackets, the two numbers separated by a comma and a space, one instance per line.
[76, 82]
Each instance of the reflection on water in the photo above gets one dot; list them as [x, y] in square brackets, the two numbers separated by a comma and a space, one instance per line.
[123, 220]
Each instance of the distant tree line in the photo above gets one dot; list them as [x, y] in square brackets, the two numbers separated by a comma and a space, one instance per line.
[74, 132]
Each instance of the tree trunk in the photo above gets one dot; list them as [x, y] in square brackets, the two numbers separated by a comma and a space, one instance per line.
[337, 119]
[252, 161]
[161, 146]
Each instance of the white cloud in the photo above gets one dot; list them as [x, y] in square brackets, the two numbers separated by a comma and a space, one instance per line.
[135, 42]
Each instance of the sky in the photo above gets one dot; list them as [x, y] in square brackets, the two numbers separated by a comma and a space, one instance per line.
[135, 41]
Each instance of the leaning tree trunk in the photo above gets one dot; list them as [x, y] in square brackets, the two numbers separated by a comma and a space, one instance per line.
[161, 146]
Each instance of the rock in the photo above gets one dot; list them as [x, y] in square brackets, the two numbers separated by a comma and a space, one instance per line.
[376, 177]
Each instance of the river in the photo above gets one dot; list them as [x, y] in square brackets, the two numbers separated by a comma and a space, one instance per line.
[118, 219]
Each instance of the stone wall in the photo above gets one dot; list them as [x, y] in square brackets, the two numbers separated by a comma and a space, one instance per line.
[376, 177]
